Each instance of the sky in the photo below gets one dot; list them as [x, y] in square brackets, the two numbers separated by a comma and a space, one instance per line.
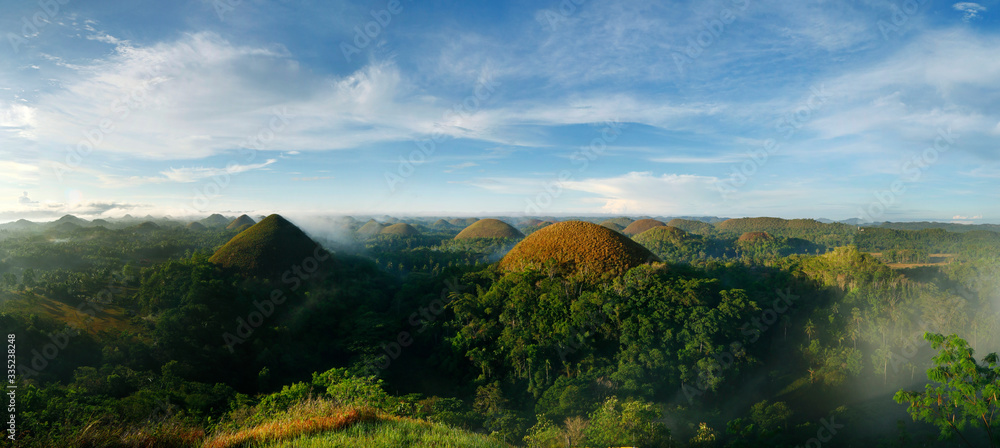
[879, 110]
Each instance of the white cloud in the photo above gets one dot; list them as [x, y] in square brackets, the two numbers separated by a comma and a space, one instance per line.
[187, 175]
[644, 192]
[970, 10]
[19, 172]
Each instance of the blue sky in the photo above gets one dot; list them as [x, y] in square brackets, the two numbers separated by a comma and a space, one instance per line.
[883, 110]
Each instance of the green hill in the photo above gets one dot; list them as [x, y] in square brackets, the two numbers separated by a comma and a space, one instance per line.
[401, 229]
[621, 222]
[772, 225]
[242, 221]
[196, 226]
[489, 228]
[370, 229]
[267, 249]
[578, 248]
[691, 226]
[215, 220]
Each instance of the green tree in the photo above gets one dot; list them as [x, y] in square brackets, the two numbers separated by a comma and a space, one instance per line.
[966, 393]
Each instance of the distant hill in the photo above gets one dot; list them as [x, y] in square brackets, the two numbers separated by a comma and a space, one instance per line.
[642, 225]
[462, 222]
[622, 222]
[400, 229]
[70, 219]
[949, 226]
[489, 228]
[196, 226]
[743, 225]
[147, 226]
[613, 226]
[755, 237]
[215, 220]
[577, 247]
[441, 224]
[687, 225]
[267, 249]
[243, 220]
[370, 229]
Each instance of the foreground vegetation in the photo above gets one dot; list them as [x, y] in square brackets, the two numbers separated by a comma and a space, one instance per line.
[418, 339]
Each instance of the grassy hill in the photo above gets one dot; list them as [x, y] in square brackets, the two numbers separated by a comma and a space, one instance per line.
[243, 220]
[401, 229]
[489, 228]
[266, 249]
[642, 225]
[578, 247]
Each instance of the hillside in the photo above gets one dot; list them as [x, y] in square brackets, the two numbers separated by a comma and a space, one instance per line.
[400, 229]
[690, 226]
[577, 247]
[266, 249]
[240, 222]
[489, 228]
[641, 225]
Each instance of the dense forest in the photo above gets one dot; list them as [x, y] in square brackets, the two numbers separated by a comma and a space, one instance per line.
[751, 332]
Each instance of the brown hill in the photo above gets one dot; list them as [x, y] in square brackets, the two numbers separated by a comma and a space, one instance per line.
[267, 249]
[243, 220]
[577, 247]
[489, 228]
[755, 237]
[641, 225]
[401, 229]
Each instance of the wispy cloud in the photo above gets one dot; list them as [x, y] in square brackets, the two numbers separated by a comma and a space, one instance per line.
[969, 10]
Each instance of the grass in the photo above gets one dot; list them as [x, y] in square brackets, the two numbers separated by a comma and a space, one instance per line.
[109, 318]
[393, 434]
[324, 423]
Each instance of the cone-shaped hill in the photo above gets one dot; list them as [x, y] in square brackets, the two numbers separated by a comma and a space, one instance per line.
[243, 220]
[463, 222]
[215, 220]
[371, 228]
[401, 229]
[489, 228]
[577, 247]
[196, 227]
[267, 249]
[662, 233]
[641, 225]
[691, 226]
[441, 224]
[147, 226]
[622, 222]
[613, 226]
[755, 237]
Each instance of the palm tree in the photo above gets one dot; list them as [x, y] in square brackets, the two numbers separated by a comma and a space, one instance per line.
[810, 329]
